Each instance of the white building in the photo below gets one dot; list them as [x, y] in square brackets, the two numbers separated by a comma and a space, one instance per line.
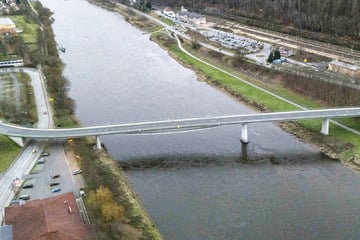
[190, 17]
[168, 12]
[7, 26]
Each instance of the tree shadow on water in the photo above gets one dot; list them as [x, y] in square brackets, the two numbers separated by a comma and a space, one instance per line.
[244, 157]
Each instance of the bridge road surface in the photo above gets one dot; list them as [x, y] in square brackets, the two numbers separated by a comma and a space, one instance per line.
[177, 125]
[24, 162]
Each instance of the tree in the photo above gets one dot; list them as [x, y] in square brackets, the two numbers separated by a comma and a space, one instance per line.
[101, 202]
[270, 58]
[195, 44]
[277, 54]
[148, 5]
[240, 54]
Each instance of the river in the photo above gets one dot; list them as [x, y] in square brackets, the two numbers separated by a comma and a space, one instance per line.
[197, 185]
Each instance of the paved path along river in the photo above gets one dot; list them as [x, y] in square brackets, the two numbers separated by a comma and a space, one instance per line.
[202, 185]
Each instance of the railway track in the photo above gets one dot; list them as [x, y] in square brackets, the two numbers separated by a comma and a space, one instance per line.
[322, 49]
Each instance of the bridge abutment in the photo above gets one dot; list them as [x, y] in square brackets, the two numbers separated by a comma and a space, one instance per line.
[325, 126]
[244, 134]
[98, 143]
[19, 141]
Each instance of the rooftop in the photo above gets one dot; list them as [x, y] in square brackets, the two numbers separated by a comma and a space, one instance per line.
[51, 218]
[6, 21]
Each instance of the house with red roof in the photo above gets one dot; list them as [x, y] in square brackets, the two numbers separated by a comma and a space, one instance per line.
[52, 218]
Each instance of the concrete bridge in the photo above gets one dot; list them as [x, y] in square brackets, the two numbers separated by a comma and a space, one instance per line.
[181, 125]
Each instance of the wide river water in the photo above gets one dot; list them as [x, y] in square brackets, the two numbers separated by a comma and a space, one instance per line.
[197, 185]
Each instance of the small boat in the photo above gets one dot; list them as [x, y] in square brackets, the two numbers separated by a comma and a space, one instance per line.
[63, 49]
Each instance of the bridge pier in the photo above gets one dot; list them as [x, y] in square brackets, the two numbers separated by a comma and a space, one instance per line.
[244, 134]
[325, 126]
[98, 143]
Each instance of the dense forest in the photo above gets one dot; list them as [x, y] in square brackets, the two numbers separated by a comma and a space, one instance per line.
[335, 18]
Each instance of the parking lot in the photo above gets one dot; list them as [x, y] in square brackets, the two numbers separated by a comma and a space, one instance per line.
[232, 41]
[52, 175]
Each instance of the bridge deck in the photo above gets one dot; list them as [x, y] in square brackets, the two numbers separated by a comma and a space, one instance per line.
[176, 125]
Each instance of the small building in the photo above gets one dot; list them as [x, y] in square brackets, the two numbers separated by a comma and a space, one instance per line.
[168, 12]
[7, 26]
[56, 217]
[344, 68]
[183, 9]
[11, 3]
[190, 17]
[132, 2]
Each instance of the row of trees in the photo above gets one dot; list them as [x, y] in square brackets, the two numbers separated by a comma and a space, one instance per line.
[47, 55]
[340, 17]
[330, 17]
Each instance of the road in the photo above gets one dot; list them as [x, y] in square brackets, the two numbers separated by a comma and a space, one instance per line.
[56, 163]
[27, 158]
[175, 125]
[306, 69]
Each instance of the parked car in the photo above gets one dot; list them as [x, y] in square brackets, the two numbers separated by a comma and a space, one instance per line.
[45, 154]
[16, 202]
[57, 189]
[77, 171]
[82, 192]
[53, 183]
[28, 185]
[55, 176]
[24, 197]
[41, 160]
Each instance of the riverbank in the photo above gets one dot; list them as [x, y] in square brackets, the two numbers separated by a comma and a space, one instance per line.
[340, 145]
[121, 217]
[100, 170]
[208, 207]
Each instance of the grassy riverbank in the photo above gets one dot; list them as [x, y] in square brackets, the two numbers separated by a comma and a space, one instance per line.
[121, 216]
[100, 170]
[341, 144]
[262, 100]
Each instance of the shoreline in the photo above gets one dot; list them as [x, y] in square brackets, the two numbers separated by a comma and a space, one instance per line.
[130, 194]
[122, 181]
[106, 172]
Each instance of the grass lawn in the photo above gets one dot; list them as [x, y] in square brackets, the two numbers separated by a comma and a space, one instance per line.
[163, 19]
[30, 30]
[8, 152]
[8, 149]
[273, 104]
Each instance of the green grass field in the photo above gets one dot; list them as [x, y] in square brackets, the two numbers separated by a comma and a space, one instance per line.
[8, 149]
[8, 152]
[273, 104]
[29, 30]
